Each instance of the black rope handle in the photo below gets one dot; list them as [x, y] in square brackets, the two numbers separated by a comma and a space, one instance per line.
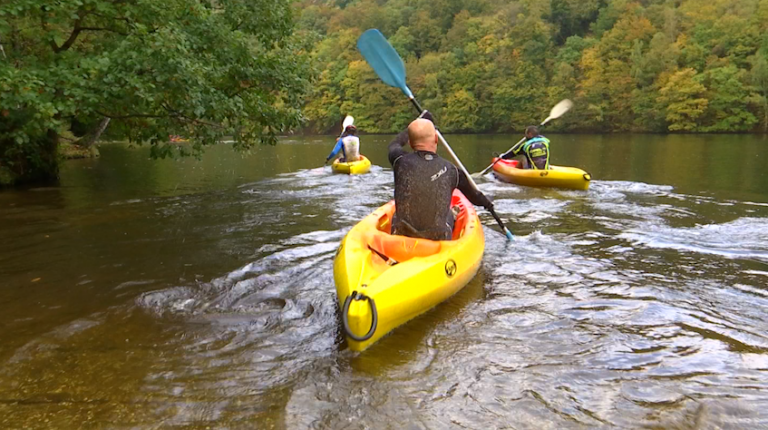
[345, 319]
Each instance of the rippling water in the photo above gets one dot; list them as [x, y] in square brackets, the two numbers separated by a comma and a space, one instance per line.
[200, 294]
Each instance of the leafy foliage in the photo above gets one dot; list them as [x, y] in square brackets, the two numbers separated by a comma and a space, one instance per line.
[199, 68]
[498, 65]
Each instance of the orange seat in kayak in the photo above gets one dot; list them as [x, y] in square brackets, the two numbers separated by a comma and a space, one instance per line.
[402, 248]
[461, 219]
[510, 163]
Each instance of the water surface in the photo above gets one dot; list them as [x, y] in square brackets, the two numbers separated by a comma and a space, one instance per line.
[199, 293]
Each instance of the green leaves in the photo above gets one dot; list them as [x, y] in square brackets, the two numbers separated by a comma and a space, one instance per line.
[495, 65]
[204, 70]
[682, 98]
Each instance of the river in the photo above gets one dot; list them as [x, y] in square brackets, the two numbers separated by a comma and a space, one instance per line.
[199, 294]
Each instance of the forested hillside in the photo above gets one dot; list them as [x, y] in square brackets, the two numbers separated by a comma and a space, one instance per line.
[496, 66]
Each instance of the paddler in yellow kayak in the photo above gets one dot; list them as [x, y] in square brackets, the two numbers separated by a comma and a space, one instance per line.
[424, 183]
[533, 151]
[348, 144]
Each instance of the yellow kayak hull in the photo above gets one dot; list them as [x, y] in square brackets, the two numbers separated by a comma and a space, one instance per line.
[354, 168]
[426, 273]
[571, 178]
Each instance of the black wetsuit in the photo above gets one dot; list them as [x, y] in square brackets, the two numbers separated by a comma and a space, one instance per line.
[424, 184]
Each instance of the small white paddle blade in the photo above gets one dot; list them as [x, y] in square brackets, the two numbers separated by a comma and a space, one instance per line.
[347, 122]
[560, 109]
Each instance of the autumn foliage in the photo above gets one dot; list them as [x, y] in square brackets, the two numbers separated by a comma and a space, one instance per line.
[496, 66]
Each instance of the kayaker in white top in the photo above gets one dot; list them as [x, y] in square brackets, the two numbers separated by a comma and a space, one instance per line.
[349, 146]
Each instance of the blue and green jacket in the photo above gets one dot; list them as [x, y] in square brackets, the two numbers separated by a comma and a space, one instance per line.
[536, 151]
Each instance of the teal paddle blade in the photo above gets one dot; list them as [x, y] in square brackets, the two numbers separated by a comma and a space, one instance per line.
[383, 59]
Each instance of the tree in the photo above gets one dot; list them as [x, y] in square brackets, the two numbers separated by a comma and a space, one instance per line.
[202, 68]
[573, 17]
[492, 65]
[683, 99]
[728, 100]
[758, 77]
[460, 113]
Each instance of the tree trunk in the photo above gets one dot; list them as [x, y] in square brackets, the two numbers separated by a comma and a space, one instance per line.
[89, 139]
[49, 167]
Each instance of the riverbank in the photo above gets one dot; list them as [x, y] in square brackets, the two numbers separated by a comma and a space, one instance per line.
[70, 151]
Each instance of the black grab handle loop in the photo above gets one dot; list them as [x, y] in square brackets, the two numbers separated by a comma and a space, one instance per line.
[375, 320]
[587, 177]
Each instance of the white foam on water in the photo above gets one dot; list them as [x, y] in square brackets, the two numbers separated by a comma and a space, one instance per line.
[743, 238]
[755, 272]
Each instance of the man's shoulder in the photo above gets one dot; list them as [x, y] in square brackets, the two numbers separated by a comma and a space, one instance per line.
[417, 158]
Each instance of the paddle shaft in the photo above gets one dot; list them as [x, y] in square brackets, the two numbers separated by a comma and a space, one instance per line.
[484, 171]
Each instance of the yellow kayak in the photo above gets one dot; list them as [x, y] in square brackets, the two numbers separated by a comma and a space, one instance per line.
[383, 280]
[363, 165]
[556, 177]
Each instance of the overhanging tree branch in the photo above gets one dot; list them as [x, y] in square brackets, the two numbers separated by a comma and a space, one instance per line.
[76, 30]
[172, 114]
[133, 115]
[179, 115]
[72, 37]
[103, 29]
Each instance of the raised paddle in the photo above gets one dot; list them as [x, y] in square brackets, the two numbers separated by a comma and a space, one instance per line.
[386, 62]
[557, 111]
[348, 120]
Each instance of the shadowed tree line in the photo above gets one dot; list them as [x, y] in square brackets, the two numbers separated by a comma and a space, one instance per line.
[496, 66]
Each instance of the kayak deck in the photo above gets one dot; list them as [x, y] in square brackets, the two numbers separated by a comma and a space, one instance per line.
[571, 178]
[398, 278]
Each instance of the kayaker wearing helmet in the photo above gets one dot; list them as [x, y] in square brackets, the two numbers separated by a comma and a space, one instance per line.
[348, 144]
[535, 150]
[424, 183]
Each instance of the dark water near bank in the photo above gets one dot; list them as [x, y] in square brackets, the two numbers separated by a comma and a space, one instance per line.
[199, 294]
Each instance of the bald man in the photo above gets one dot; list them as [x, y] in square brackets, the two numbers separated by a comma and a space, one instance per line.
[424, 183]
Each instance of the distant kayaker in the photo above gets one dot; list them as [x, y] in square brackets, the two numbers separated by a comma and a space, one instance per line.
[348, 144]
[534, 150]
[424, 183]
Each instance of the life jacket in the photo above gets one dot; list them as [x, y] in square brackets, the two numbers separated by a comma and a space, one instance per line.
[351, 148]
[537, 151]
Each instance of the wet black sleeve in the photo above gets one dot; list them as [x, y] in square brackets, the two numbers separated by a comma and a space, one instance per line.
[476, 197]
[396, 147]
[515, 151]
